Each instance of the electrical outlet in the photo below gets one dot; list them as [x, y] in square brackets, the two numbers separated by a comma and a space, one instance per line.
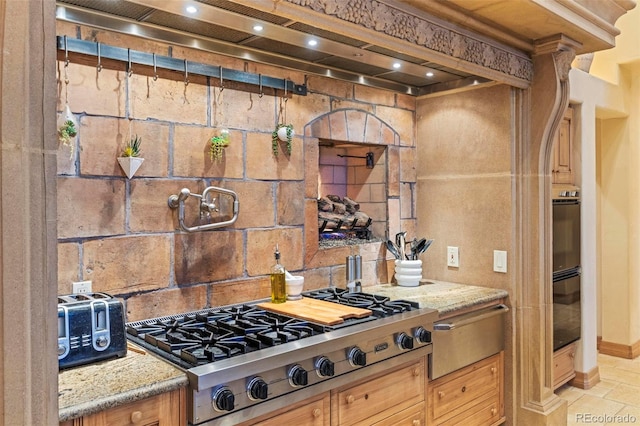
[452, 257]
[81, 287]
[500, 261]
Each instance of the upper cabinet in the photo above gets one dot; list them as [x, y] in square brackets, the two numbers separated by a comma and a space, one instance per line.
[562, 163]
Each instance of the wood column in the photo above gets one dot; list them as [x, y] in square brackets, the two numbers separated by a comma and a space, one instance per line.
[28, 325]
[541, 109]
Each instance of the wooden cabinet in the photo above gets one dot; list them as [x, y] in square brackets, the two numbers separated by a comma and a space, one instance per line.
[473, 396]
[310, 412]
[395, 397]
[563, 162]
[167, 409]
[563, 365]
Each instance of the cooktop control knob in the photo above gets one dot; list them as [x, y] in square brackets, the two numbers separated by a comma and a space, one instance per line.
[422, 335]
[257, 388]
[404, 341]
[298, 376]
[325, 367]
[224, 400]
[357, 357]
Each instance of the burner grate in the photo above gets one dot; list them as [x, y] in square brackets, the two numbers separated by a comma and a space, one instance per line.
[380, 306]
[207, 336]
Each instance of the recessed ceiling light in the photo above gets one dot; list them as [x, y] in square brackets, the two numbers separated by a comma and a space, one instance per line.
[191, 9]
[258, 27]
[429, 74]
[396, 65]
[312, 42]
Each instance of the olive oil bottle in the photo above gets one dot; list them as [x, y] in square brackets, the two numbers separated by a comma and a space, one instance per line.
[278, 284]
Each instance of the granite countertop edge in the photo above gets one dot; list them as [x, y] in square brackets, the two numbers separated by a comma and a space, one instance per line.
[118, 399]
[445, 297]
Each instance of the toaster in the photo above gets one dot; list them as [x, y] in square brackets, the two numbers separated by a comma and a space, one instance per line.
[91, 327]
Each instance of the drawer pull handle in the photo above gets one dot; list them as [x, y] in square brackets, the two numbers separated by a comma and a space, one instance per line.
[493, 370]
[571, 355]
[316, 412]
[416, 422]
[416, 372]
[350, 399]
[493, 411]
[440, 394]
[136, 417]
[464, 389]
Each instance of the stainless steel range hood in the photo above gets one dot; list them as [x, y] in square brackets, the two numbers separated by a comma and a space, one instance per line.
[226, 27]
[438, 45]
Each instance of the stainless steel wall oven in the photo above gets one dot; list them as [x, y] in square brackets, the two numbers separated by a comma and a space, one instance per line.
[566, 268]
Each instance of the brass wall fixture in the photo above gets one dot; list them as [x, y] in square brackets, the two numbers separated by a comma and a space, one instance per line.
[207, 207]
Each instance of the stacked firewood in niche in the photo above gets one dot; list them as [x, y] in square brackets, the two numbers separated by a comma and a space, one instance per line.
[337, 213]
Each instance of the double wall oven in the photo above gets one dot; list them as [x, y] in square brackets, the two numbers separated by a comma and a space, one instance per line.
[243, 361]
[566, 267]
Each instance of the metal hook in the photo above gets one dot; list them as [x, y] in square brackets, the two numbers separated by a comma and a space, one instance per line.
[155, 68]
[186, 73]
[221, 81]
[260, 83]
[99, 67]
[130, 69]
[66, 53]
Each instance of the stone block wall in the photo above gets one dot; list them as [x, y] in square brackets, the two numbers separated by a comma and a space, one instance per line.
[120, 233]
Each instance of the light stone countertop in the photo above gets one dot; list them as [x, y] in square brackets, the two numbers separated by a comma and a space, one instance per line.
[92, 388]
[443, 296]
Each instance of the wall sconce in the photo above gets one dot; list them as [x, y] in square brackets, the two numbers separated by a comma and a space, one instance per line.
[368, 158]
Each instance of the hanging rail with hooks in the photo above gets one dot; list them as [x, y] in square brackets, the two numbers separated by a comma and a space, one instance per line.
[133, 57]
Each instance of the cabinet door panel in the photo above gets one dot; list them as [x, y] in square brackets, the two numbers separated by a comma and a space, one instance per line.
[464, 389]
[315, 413]
[394, 391]
[414, 416]
[162, 410]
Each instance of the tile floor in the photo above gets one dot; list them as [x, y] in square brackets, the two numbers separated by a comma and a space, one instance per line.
[613, 401]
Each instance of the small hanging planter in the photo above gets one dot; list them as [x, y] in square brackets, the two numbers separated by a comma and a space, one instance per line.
[67, 129]
[130, 161]
[284, 133]
[218, 144]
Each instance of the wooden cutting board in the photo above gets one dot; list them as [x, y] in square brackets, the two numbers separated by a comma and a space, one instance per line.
[319, 311]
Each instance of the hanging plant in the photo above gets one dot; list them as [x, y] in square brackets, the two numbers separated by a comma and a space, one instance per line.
[130, 159]
[284, 133]
[218, 144]
[66, 132]
[132, 148]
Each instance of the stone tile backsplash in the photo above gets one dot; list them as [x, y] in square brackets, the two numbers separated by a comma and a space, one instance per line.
[122, 235]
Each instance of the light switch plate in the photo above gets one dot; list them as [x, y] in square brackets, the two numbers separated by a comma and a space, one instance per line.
[500, 261]
[453, 258]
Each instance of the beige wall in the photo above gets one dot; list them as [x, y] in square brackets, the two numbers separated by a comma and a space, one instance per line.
[610, 92]
[120, 233]
[464, 184]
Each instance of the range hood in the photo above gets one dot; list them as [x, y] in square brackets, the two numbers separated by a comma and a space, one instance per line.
[413, 47]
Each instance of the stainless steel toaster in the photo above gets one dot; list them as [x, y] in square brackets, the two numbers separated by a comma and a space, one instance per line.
[91, 327]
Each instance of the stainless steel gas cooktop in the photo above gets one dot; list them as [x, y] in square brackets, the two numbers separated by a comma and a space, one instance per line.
[243, 360]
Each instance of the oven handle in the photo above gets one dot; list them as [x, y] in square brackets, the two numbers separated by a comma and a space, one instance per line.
[497, 310]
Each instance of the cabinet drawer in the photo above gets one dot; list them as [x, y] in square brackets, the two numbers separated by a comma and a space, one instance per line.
[161, 410]
[563, 365]
[378, 398]
[312, 413]
[485, 413]
[413, 416]
[465, 388]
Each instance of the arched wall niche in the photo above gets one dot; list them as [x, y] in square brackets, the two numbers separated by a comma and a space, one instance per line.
[352, 133]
